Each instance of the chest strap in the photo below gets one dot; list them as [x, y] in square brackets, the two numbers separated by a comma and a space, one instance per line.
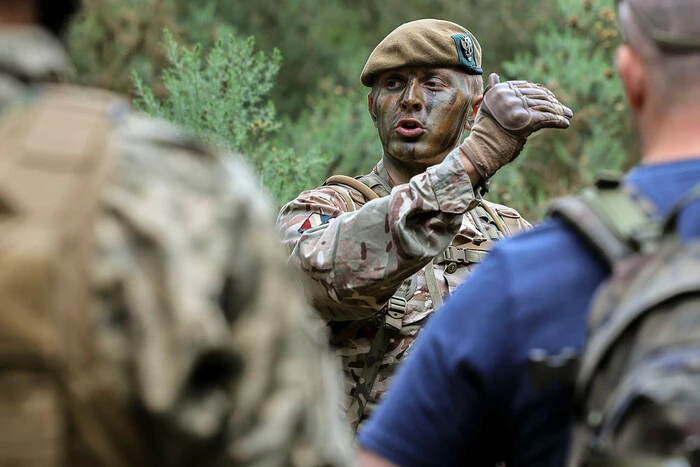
[465, 254]
[389, 321]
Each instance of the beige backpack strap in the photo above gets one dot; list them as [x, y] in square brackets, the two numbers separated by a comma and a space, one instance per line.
[496, 219]
[353, 183]
[431, 282]
[54, 158]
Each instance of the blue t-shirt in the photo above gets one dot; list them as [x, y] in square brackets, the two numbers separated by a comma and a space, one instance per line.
[465, 396]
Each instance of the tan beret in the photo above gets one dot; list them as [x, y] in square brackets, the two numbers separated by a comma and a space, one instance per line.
[425, 42]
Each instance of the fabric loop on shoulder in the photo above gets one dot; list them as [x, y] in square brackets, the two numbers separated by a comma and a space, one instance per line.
[353, 183]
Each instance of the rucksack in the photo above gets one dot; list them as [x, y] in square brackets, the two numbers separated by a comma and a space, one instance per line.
[637, 393]
[55, 153]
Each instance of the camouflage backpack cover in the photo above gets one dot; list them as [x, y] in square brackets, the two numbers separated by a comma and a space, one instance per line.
[55, 153]
[637, 398]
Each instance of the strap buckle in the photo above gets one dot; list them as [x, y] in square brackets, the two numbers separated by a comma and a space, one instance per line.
[391, 315]
[453, 254]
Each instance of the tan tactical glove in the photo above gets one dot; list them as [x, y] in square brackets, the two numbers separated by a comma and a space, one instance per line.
[509, 113]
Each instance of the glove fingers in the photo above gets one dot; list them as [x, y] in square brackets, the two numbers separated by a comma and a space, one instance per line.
[542, 105]
[540, 92]
[567, 112]
[548, 120]
[547, 105]
[494, 79]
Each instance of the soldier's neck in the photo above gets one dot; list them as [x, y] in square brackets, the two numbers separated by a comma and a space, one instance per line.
[675, 137]
[401, 172]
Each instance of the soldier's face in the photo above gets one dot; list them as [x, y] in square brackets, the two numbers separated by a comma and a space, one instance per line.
[420, 112]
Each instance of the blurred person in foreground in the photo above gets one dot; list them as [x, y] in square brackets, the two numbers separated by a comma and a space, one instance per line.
[472, 392]
[146, 314]
[380, 252]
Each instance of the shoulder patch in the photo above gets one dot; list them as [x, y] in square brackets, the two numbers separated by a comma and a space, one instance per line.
[314, 220]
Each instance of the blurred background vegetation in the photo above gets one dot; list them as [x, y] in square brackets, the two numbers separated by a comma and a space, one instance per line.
[278, 82]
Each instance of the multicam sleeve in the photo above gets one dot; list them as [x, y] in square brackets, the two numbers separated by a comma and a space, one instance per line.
[198, 309]
[354, 261]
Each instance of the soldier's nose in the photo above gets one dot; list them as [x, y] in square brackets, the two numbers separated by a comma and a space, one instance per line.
[411, 98]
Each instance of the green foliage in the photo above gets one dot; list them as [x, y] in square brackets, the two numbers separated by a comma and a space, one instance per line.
[574, 59]
[112, 38]
[223, 88]
[336, 125]
[223, 96]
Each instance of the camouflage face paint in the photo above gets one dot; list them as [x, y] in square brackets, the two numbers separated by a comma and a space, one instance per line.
[421, 113]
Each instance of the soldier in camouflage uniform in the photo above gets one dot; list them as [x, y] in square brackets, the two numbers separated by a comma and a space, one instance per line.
[168, 331]
[377, 268]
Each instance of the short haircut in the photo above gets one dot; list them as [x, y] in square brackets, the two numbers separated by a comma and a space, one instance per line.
[674, 74]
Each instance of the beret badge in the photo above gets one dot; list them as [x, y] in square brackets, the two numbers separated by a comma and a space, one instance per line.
[465, 52]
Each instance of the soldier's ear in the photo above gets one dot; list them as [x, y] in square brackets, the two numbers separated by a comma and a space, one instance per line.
[476, 103]
[634, 77]
[370, 108]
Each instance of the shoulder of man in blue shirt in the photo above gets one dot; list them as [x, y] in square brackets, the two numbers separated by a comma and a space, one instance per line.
[465, 395]
[467, 375]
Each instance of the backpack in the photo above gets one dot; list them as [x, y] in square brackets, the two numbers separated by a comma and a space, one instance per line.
[55, 153]
[637, 392]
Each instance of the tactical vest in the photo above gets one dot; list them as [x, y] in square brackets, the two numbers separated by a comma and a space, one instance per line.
[637, 387]
[55, 153]
[389, 320]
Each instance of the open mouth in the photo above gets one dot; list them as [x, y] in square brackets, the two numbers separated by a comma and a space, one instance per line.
[410, 127]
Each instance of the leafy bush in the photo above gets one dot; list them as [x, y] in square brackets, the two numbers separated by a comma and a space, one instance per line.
[337, 126]
[575, 60]
[223, 96]
[110, 39]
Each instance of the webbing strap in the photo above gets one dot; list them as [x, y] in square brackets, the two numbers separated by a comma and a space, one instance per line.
[377, 183]
[364, 385]
[609, 220]
[389, 322]
[433, 289]
[471, 254]
[496, 219]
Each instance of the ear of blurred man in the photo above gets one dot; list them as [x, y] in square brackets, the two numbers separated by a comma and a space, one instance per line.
[634, 78]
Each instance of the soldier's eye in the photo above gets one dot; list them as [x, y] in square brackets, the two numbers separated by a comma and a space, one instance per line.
[393, 83]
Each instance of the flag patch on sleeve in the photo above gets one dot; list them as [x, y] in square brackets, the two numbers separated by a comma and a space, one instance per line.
[314, 220]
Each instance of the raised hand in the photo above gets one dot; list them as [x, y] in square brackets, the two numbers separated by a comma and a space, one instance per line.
[509, 113]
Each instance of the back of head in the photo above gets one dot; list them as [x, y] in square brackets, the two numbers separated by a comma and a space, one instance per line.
[666, 34]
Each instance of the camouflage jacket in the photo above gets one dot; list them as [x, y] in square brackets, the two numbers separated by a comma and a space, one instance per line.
[187, 264]
[354, 260]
